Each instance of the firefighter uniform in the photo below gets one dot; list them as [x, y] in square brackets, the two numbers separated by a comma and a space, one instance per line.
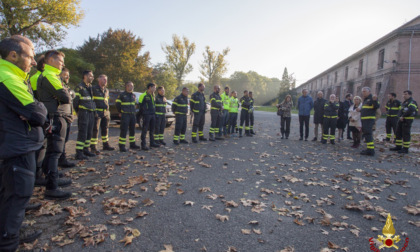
[251, 116]
[62, 161]
[225, 114]
[330, 121]
[148, 111]
[245, 102]
[19, 141]
[215, 113]
[126, 106]
[33, 81]
[392, 108]
[180, 108]
[198, 107]
[57, 100]
[160, 124]
[408, 111]
[101, 97]
[233, 114]
[84, 106]
[368, 116]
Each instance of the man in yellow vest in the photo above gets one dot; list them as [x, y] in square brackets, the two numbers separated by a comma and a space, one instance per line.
[225, 113]
[233, 113]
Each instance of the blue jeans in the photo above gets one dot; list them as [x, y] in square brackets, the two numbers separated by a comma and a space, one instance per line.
[225, 122]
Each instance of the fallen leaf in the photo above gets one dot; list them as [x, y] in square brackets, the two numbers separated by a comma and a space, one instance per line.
[188, 203]
[332, 245]
[222, 218]
[168, 248]
[128, 239]
[246, 231]
[141, 214]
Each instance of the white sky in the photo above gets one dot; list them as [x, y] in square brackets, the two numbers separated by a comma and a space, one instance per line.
[265, 36]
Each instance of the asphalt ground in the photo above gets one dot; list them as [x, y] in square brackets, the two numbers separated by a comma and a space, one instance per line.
[271, 194]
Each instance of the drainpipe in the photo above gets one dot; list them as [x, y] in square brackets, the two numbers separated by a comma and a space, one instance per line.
[409, 62]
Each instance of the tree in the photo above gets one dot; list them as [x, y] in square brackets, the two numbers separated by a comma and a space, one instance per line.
[76, 65]
[117, 54]
[41, 21]
[287, 82]
[214, 65]
[162, 75]
[177, 56]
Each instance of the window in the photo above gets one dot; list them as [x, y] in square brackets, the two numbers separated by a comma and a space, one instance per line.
[378, 87]
[381, 58]
[335, 77]
[360, 67]
[346, 73]
[321, 82]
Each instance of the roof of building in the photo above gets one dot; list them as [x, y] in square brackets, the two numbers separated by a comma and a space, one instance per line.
[409, 27]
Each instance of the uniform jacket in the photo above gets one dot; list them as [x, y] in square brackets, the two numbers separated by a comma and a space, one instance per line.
[18, 137]
[233, 105]
[409, 109]
[101, 99]
[225, 100]
[84, 98]
[147, 104]
[245, 102]
[198, 102]
[160, 105]
[33, 81]
[369, 108]
[331, 109]
[215, 101]
[126, 103]
[392, 108]
[180, 105]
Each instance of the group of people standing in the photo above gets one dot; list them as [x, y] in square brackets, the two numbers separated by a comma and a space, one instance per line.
[357, 114]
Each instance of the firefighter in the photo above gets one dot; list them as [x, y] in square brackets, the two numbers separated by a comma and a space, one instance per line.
[101, 97]
[368, 116]
[147, 110]
[406, 115]
[233, 113]
[330, 120]
[19, 113]
[57, 100]
[198, 108]
[84, 106]
[215, 113]
[180, 109]
[251, 114]
[225, 113]
[63, 162]
[34, 78]
[160, 124]
[126, 107]
[245, 102]
[392, 107]
[319, 104]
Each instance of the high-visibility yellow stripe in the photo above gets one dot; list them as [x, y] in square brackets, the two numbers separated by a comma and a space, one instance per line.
[368, 117]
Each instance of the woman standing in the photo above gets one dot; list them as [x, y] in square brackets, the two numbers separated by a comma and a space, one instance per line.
[284, 111]
[342, 118]
[355, 122]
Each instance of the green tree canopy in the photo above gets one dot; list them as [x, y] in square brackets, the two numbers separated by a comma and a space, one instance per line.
[177, 56]
[162, 75]
[214, 65]
[41, 21]
[117, 54]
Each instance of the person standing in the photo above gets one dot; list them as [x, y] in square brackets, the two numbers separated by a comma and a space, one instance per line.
[330, 120]
[57, 100]
[407, 113]
[180, 108]
[251, 114]
[160, 124]
[347, 104]
[63, 162]
[233, 113]
[34, 78]
[198, 108]
[245, 102]
[342, 117]
[19, 113]
[148, 110]
[225, 113]
[355, 121]
[215, 113]
[368, 116]
[319, 113]
[392, 107]
[126, 107]
[84, 106]
[285, 109]
[305, 105]
[101, 98]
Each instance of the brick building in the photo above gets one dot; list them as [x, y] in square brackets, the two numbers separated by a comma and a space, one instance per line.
[390, 64]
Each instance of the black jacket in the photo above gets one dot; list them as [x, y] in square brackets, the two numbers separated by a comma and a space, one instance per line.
[180, 105]
[319, 110]
[101, 98]
[84, 98]
[126, 103]
[147, 104]
[245, 102]
[409, 109]
[215, 101]
[392, 108]
[160, 105]
[331, 109]
[369, 108]
[198, 102]
[17, 136]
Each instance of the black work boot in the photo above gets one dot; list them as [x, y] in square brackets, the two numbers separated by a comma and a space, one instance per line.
[403, 151]
[162, 142]
[56, 194]
[211, 137]
[252, 132]
[183, 141]
[176, 142]
[194, 140]
[219, 137]
[202, 139]
[332, 141]
[154, 145]
[368, 152]
[396, 148]
[145, 148]
[387, 139]
[64, 163]
[122, 148]
[323, 141]
[134, 146]
[107, 147]
[94, 150]
[86, 152]
[33, 206]
[28, 235]
[80, 155]
[63, 182]
[315, 139]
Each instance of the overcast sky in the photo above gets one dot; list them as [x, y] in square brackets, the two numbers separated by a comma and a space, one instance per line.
[264, 36]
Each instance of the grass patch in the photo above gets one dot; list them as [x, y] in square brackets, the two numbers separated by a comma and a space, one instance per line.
[266, 108]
